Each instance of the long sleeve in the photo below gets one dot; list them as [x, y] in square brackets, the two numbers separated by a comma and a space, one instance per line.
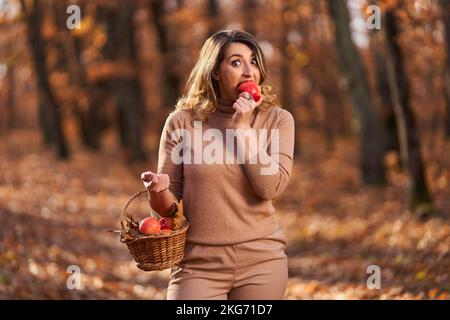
[169, 154]
[226, 202]
[269, 173]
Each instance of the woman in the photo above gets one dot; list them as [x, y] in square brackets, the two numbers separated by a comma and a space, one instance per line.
[208, 157]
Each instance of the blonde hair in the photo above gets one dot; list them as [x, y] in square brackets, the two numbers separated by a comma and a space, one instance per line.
[202, 90]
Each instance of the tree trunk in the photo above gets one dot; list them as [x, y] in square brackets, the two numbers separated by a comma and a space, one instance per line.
[126, 89]
[213, 17]
[91, 120]
[47, 98]
[10, 122]
[45, 122]
[445, 5]
[249, 8]
[372, 135]
[335, 111]
[286, 77]
[86, 110]
[382, 85]
[287, 97]
[447, 101]
[172, 81]
[332, 115]
[286, 61]
[419, 197]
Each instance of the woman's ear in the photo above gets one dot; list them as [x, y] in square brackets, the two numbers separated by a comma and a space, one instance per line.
[215, 75]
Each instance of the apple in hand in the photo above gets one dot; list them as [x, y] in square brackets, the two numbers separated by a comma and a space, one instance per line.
[167, 223]
[250, 87]
[149, 225]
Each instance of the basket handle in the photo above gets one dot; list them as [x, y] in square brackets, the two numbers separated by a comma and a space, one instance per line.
[126, 220]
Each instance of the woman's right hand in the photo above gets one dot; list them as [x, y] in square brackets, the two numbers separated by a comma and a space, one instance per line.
[155, 182]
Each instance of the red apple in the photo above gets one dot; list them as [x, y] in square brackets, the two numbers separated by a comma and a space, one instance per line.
[149, 225]
[250, 87]
[167, 223]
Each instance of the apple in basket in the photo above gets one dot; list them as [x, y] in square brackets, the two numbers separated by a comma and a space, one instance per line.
[167, 223]
[149, 225]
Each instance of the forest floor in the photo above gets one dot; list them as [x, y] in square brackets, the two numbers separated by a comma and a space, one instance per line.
[56, 214]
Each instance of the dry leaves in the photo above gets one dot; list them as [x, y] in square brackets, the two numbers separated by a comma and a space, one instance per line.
[56, 214]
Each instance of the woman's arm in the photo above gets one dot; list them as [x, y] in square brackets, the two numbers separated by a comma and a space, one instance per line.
[268, 170]
[160, 198]
[163, 203]
[168, 183]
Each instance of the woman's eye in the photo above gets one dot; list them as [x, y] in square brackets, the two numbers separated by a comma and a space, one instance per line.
[237, 63]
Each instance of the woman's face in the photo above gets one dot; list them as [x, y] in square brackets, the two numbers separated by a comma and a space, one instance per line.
[238, 65]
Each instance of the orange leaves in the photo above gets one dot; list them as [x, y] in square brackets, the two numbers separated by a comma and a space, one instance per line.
[56, 214]
[337, 227]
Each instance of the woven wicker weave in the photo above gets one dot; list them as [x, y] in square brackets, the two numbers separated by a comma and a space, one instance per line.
[152, 252]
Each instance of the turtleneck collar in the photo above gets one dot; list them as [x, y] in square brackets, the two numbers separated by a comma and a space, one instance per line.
[225, 106]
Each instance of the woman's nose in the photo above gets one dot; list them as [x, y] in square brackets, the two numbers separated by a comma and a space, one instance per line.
[248, 71]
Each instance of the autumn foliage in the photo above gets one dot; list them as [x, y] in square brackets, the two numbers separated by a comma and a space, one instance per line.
[81, 114]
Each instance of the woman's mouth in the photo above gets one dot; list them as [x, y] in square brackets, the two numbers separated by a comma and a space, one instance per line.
[242, 82]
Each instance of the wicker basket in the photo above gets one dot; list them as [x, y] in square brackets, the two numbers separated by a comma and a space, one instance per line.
[152, 252]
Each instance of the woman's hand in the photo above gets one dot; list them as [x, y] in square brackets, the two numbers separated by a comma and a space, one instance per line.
[244, 107]
[155, 182]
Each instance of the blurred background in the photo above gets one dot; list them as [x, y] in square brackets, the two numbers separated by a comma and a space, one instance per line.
[81, 113]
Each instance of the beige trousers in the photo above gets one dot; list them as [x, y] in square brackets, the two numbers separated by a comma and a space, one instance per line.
[253, 270]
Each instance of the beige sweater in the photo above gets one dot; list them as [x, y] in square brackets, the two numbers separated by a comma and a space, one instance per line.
[227, 199]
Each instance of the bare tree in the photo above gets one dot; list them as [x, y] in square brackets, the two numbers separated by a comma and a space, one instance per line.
[124, 83]
[171, 78]
[213, 17]
[49, 109]
[377, 46]
[286, 61]
[372, 135]
[419, 196]
[10, 102]
[250, 9]
[88, 109]
[445, 5]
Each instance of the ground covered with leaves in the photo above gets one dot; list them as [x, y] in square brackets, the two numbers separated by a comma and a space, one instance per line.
[57, 214]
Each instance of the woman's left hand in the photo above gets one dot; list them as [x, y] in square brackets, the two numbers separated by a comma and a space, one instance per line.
[244, 107]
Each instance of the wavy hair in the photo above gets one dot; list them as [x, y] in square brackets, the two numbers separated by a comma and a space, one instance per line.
[202, 89]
